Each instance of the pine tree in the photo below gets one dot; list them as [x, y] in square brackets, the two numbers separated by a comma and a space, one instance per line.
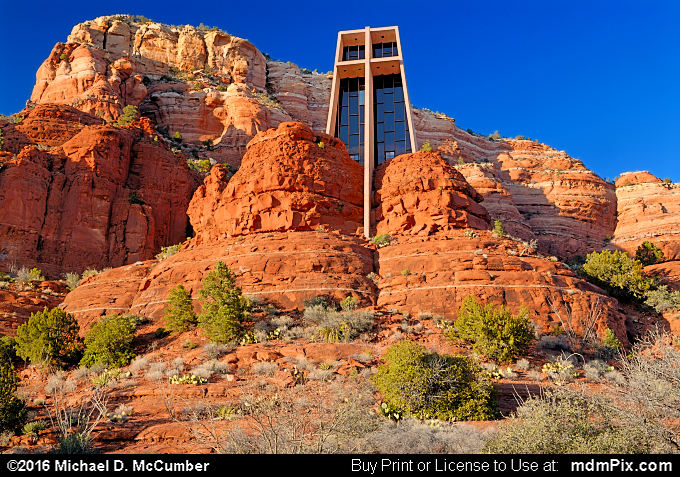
[224, 307]
[179, 316]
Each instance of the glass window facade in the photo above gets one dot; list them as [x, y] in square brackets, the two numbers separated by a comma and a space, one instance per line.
[391, 126]
[383, 50]
[355, 52]
[349, 125]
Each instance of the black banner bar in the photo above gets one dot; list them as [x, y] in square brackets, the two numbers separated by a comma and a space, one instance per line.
[300, 465]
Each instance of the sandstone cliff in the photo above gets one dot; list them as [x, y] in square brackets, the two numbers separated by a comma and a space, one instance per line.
[77, 194]
[215, 92]
[648, 210]
[435, 260]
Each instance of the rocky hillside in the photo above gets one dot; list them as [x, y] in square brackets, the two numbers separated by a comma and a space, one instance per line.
[141, 137]
[207, 95]
[291, 242]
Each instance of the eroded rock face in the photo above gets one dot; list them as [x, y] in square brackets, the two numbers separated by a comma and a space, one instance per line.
[18, 302]
[545, 195]
[207, 86]
[648, 211]
[290, 179]
[281, 268]
[304, 96]
[421, 193]
[538, 193]
[91, 196]
[638, 177]
[435, 274]
[255, 224]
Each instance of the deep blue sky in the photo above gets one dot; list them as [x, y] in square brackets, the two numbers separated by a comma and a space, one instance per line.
[599, 79]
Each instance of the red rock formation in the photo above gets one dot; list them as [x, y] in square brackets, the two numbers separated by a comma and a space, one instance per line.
[281, 268]
[420, 194]
[290, 179]
[206, 85]
[77, 196]
[668, 273]
[303, 95]
[633, 178]
[497, 199]
[17, 302]
[538, 193]
[435, 274]
[648, 211]
[430, 273]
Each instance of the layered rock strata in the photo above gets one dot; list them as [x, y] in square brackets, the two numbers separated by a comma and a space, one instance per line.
[648, 210]
[75, 194]
[18, 302]
[284, 269]
[436, 258]
[434, 275]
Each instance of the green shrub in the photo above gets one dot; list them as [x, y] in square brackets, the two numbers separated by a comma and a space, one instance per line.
[663, 300]
[319, 300]
[179, 316]
[91, 272]
[427, 147]
[334, 326]
[494, 331]
[224, 306]
[168, 251]
[349, 303]
[74, 443]
[24, 275]
[187, 379]
[12, 410]
[495, 135]
[429, 385]
[610, 341]
[50, 337]
[619, 273]
[72, 280]
[498, 230]
[202, 166]
[177, 137]
[8, 348]
[649, 254]
[135, 198]
[109, 342]
[382, 240]
[33, 428]
[130, 113]
[564, 422]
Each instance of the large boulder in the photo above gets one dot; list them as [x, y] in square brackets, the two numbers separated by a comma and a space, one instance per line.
[290, 179]
[421, 193]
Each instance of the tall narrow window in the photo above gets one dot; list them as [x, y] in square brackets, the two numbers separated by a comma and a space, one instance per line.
[349, 125]
[391, 126]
